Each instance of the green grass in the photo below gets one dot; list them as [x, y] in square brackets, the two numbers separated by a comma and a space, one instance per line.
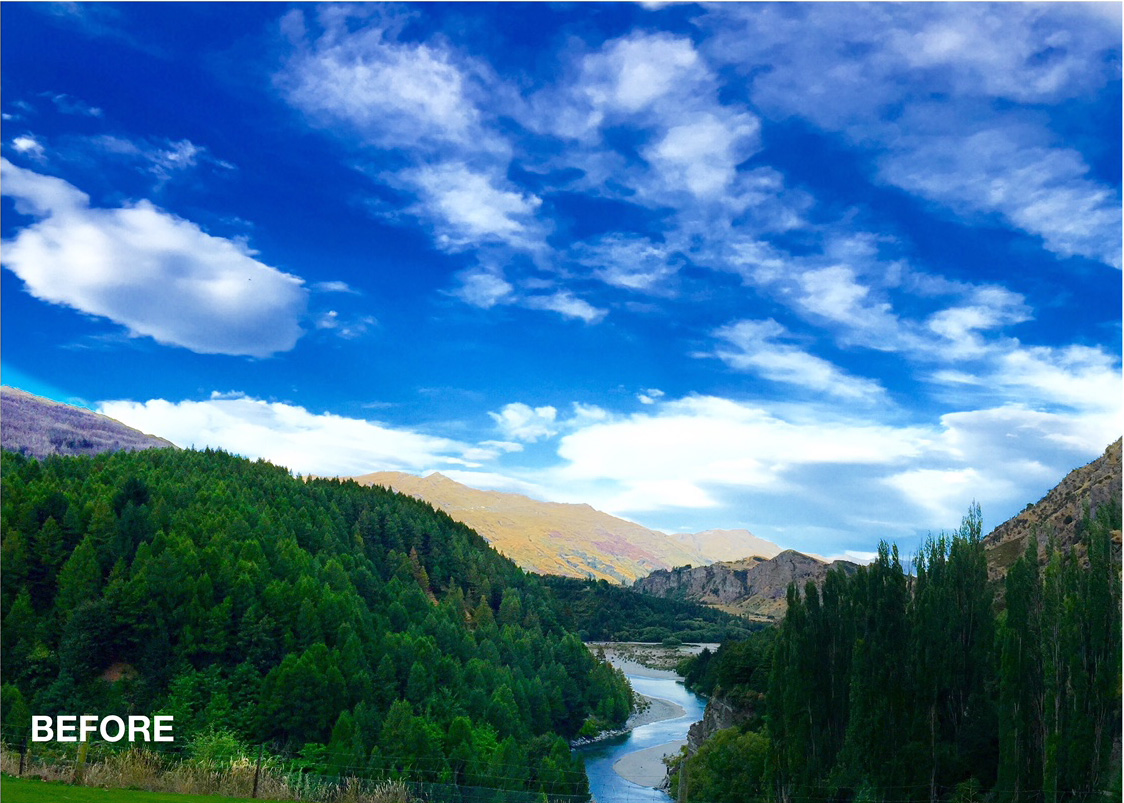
[27, 790]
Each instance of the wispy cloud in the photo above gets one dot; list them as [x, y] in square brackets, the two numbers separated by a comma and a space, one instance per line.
[873, 76]
[759, 347]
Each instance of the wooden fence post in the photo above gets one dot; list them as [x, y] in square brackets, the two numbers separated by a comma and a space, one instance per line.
[80, 763]
[257, 771]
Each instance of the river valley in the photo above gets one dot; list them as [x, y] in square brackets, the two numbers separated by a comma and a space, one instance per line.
[627, 768]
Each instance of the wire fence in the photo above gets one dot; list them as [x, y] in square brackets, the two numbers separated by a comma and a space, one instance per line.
[288, 776]
[277, 776]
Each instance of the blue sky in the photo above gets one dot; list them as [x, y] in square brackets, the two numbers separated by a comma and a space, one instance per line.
[825, 272]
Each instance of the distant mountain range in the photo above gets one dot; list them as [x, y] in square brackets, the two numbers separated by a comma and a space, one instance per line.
[754, 587]
[569, 540]
[718, 545]
[39, 427]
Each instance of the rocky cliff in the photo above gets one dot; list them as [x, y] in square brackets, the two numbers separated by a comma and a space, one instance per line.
[755, 587]
[1058, 513]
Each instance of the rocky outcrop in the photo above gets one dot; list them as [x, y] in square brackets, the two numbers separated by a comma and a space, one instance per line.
[753, 587]
[39, 427]
[1058, 513]
[720, 714]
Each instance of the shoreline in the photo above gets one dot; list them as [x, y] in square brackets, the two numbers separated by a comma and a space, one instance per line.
[645, 767]
[656, 710]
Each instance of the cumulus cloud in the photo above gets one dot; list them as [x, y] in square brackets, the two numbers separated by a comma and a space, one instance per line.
[521, 422]
[334, 286]
[288, 435]
[702, 154]
[67, 104]
[758, 346]
[156, 274]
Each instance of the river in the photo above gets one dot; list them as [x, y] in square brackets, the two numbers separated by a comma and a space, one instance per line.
[605, 784]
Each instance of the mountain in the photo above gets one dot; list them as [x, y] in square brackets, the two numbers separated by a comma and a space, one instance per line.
[754, 587]
[39, 427]
[1059, 513]
[548, 537]
[719, 545]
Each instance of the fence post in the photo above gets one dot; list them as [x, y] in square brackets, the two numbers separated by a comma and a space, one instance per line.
[80, 763]
[257, 771]
[23, 758]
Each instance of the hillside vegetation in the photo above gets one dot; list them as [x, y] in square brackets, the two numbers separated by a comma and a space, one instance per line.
[886, 686]
[601, 611]
[351, 623]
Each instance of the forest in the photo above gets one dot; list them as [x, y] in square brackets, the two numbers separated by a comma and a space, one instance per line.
[352, 625]
[928, 685]
[600, 611]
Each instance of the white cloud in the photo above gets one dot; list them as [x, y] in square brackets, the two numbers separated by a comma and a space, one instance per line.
[650, 396]
[632, 263]
[334, 286]
[1078, 377]
[484, 287]
[757, 348]
[163, 158]
[68, 104]
[468, 208]
[983, 148]
[521, 422]
[703, 154]
[632, 73]
[836, 294]
[288, 435]
[156, 274]
[567, 305]
[703, 442]
[396, 95]
[348, 328]
[29, 146]
[1041, 190]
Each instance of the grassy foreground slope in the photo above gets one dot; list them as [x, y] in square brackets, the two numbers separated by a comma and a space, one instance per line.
[356, 625]
[26, 790]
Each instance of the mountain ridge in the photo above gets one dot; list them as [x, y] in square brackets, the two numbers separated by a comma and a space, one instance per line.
[568, 539]
[40, 427]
